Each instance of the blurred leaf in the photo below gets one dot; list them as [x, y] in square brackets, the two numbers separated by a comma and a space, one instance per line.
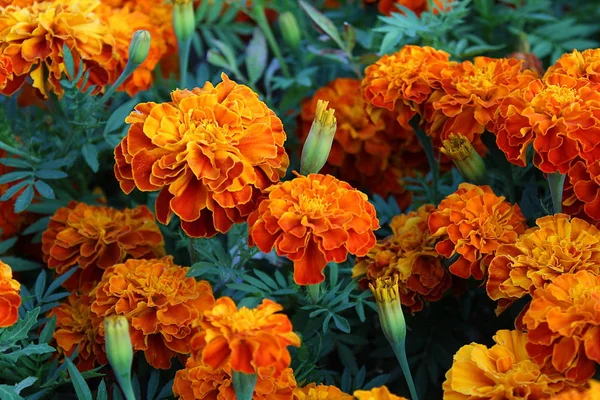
[44, 189]
[323, 22]
[24, 199]
[90, 155]
[256, 56]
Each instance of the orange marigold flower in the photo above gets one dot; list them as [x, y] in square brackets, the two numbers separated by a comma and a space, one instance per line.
[591, 393]
[560, 115]
[473, 222]
[160, 302]
[10, 299]
[380, 393]
[313, 220]
[6, 70]
[417, 6]
[558, 245]
[77, 325]
[563, 323]
[313, 391]
[248, 340]
[581, 195]
[97, 237]
[409, 253]
[470, 94]
[210, 152]
[198, 381]
[577, 64]
[402, 81]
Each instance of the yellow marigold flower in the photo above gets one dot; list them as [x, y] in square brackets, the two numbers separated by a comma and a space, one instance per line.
[247, 340]
[410, 255]
[211, 152]
[585, 64]
[503, 371]
[320, 392]
[558, 245]
[77, 325]
[380, 393]
[591, 393]
[162, 305]
[198, 381]
[97, 237]
[10, 299]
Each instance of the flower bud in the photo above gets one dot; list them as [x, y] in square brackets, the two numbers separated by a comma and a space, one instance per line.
[289, 30]
[320, 138]
[470, 164]
[184, 20]
[391, 316]
[139, 47]
[119, 350]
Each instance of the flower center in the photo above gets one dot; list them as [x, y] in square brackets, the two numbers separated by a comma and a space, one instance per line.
[481, 78]
[312, 205]
[555, 95]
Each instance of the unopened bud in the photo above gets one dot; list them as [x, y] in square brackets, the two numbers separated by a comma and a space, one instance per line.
[139, 47]
[119, 350]
[320, 138]
[470, 164]
[391, 317]
[289, 30]
[184, 20]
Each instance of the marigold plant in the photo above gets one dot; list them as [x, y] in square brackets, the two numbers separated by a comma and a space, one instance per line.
[313, 391]
[10, 298]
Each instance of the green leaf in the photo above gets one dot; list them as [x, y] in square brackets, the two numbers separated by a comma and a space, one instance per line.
[38, 226]
[59, 281]
[20, 264]
[377, 382]
[24, 199]
[25, 383]
[341, 323]
[14, 176]
[50, 174]
[68, 61]
[48, 331]
[256, 56]
[117, 118]
[15, 163]
[90, 155]
[102, 394]
[11, 191]
[31, 349]
[8, 393]
[166, 391]
[153, 384]
[323, 22]
[40, 285]
[44, 189]
[20, 330]
[7, 244]
[267, 279]
[81, 387]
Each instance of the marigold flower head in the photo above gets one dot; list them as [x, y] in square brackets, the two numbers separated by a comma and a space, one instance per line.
[380, 393]
[558, 115]
[313, 391]
[558, 245]
[161, 304]
[6, 70]
[581, 196]
[503, 371]
[313, 220]
[248, 340]
[77, 325]
[10, 299]
[210, 152]
[97, 237]
[563, 323]
[198, 381]
[417, 6]
[585, 64]
[473, 222]
[591, 393]
[410, 255]
[402, 81]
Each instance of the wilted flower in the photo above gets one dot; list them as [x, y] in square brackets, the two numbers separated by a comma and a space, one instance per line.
[380, 393]
[210, 152]
[161, 303]
[320, 392]
[10, 299]
[563, 323]
[313, 220]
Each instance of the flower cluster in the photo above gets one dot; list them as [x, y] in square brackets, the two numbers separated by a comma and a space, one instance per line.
[210, 152]
[409, 253]
[10, 299]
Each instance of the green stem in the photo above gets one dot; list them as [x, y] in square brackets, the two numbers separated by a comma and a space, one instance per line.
[15, 151]
[556, 182]
[499, 159]
[244, 385]
[184, 59]
[314, 292]
[431, 159]
[400, 352]
[263, 23]
[129, 68]
[126, 387]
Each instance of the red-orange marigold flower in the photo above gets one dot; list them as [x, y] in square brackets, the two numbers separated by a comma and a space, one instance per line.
[473, 222]
[198, 381]
[563, 323]
[558, 245]
[503, 371]
[380, 393]
[417, 6]
[591, 393]
[6, 70]
[313, 391]
[97, 237]
[77, 325]
[581, 196]
[10, 299]
[409, 253]
[402, 81]
[248, 340]
[160, 302]
[560, 115]
[313, 220]
[577, 64]
[210, 152]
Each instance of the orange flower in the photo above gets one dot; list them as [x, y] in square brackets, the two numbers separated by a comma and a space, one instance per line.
[563, 323]
[320, 392]
[581, 195]
[417, 6]
[593, 393]
[248, 340]
[410, 254]
[577, 64]
[380, 393]
[10, 299]
[6, 70]
[559, 245]
[210, 152]
[160, 302]
[313, 220]
[97, 237]
[401, 82]
[503, 371]
[76, 326]
[11, 223]
[33, 36]
[473, 222]
[470, 94]
[198, 381]
[560, 115]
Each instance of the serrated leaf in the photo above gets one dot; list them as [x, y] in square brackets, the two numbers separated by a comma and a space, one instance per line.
[81, 387]
[44, 190]
[256, 56]
[31, 349]
[24, 199]
[323, 22]
[90, 155]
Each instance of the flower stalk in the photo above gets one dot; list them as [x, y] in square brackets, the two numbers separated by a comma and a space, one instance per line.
[431, 159]
[556, 182]
[320, 138]
[244, 385]
[314, 292]
[258, 12]
[119, 352]
[184, 24]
